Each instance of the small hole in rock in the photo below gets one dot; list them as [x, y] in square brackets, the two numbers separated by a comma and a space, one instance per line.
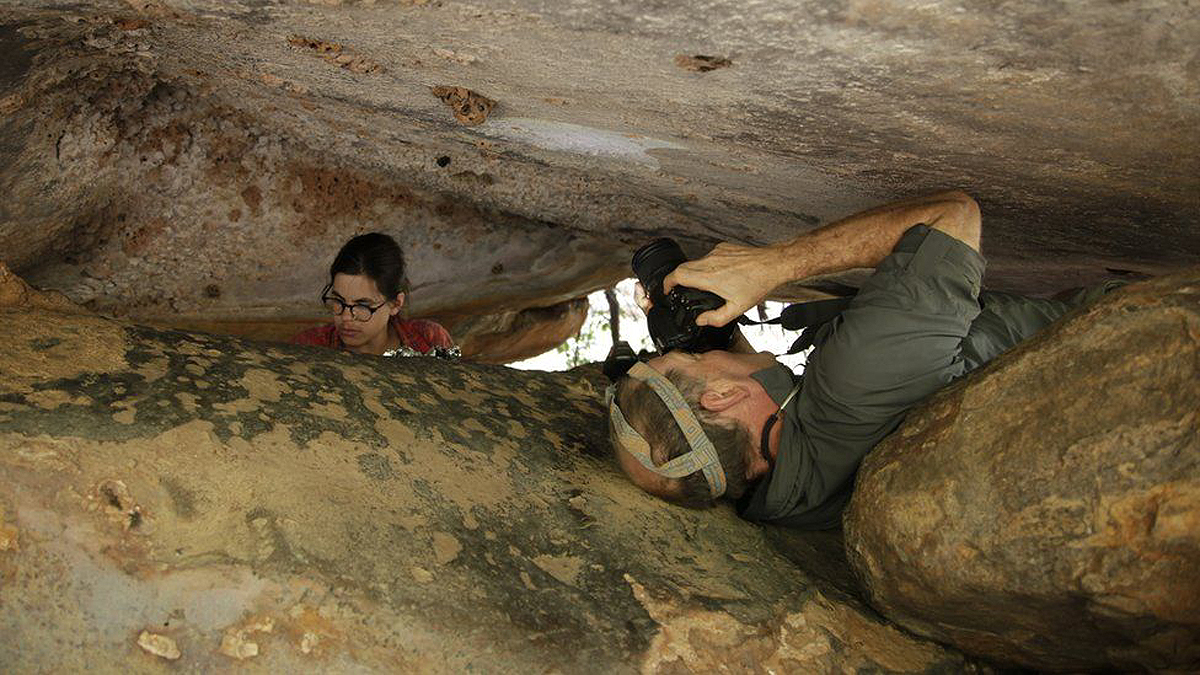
[443, 161]
[111, 497]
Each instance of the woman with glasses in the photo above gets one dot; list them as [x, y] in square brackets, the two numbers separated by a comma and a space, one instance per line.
[365, 293]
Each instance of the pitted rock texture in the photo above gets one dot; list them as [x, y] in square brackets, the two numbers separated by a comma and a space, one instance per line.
[1046, 510]
[207, 501]
[191, 162]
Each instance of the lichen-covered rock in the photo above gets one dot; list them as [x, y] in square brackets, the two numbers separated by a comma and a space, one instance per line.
[216, 502]
[1046, 511]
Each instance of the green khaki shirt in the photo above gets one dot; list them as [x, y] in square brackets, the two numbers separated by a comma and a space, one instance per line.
[919, 322]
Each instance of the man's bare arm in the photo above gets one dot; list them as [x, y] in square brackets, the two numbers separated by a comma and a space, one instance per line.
[743, 275]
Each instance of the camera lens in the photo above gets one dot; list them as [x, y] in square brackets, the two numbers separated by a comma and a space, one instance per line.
[654, 261]
[672, 319]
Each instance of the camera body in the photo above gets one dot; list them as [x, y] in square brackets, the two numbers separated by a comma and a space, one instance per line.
[672, 319]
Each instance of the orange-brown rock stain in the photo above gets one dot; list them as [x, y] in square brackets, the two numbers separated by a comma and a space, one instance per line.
[335, 54]
[311, 633]
[170, 140]
[227, 149]
[125, 526]
[140, 239]
[8, 535]
[324, 194]
[469, 107]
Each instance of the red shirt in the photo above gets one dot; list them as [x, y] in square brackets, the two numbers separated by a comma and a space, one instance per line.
[417, 334]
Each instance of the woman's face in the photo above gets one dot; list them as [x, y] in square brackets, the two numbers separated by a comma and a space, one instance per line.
[357, 289]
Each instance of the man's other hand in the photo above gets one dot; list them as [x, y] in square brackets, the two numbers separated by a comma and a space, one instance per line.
[742, 275]
[641, 298]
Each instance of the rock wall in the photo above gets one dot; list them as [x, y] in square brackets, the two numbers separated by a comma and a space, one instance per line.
[1046, 510]
[172, 500]
[142, 191]
[191, 163]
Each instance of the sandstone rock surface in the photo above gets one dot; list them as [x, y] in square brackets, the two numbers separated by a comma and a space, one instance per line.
[1046, 510]
[211, 503]
[14, 292]
[509, 336]
[198, 163]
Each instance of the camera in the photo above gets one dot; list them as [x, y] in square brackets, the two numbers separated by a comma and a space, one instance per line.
[619, 360]
[672, 319]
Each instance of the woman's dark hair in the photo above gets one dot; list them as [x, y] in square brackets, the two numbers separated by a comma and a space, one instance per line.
[376, 256]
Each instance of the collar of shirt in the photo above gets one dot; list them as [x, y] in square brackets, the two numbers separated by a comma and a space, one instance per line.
[778, 380]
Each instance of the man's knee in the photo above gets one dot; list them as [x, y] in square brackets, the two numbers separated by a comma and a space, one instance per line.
[962, 219]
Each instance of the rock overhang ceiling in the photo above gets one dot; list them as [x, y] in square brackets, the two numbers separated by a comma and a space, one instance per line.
[198, 163]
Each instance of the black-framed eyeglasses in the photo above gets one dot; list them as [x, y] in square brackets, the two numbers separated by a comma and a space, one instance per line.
[358, 311]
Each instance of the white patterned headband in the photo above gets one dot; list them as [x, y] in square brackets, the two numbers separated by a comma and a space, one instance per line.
[702, 456]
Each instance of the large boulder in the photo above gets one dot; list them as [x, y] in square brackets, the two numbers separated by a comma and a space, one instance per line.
[180, 500]
[1046, 510]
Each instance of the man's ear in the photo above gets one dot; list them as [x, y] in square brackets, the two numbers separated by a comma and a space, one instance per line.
[397, 303]
[721, 395]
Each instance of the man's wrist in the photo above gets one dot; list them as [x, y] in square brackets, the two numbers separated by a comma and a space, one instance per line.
[792, 259]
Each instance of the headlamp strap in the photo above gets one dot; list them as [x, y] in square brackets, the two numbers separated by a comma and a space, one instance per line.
[702, 456]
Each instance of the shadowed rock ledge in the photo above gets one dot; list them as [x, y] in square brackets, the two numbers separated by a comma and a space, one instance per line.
[167, 496]
[1046, 510]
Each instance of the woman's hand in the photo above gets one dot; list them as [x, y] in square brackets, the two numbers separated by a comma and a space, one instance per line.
[743, 275]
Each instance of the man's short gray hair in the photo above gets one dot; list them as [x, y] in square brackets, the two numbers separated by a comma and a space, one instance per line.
[646, 413]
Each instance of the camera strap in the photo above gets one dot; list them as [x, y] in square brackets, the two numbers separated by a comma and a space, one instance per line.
[764, 445]
[702, 456]
[806, 317]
